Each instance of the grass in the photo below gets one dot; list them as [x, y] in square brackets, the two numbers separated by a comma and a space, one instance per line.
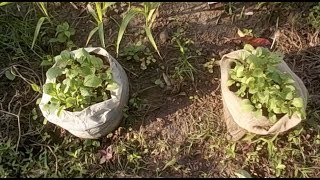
[192, 141]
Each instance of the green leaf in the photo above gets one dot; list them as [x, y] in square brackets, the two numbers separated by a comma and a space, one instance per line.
[10, 75]
[71, 101]
[128, 16]
[53, 72]
[242, 174]
[85, 91]
[248, 47]
[85, 71]
[92, 81]
[65, 55]
[62, 38]
[239, 71]
[258, 51]
[67, 33]
[38, 101]
[247, 105]
[91, 34]
[4, 3]
[149, 35]
[96, 62]
[49, 89]
[280, 166]
[46, 63]
[35, 87]
[36, 32]
[81, 56]
[297, 102]
[258, 72]
[112, 86]
[101, 34]
[230, 82]
[92, 12]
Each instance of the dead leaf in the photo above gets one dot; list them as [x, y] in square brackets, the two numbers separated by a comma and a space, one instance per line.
[255, 42]
[106, 155]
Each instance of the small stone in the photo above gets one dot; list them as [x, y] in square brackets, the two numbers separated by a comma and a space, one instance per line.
[164, 36]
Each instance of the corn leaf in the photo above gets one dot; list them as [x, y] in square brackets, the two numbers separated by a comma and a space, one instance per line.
[130, 14]
[149, 35]
[91, 34]
[99, 11]
[101, 34]
[151, 17]
[36, 32]
[92, 12]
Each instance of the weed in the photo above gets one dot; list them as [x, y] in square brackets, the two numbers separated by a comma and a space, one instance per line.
[314, 17]
[43, 7]
[63, 35]
[210, 64]
[139, 53]
[184, 68]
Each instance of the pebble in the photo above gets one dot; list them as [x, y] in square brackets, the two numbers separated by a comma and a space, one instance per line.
[164, 36]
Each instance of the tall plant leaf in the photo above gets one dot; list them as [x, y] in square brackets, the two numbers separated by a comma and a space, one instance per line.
[36, 32]
[42, 7]
[130, 14]
[93, 13]
[149, 35]
[91, 34]
[99, 11]
[101, 34]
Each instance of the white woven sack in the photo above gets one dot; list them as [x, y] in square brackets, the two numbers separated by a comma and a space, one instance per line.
[98, 119]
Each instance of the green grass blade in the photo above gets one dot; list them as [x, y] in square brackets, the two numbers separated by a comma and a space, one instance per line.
[99, 11]
[149, 35]
[43, 8]
[93, 13]
[132, 12]
[101, 34]
[91, 34]
[4, 3]
[36, 32]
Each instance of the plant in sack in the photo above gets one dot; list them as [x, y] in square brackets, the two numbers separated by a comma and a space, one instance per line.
[85, 92]
[260, 92]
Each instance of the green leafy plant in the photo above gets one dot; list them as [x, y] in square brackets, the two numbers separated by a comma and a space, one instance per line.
[184, 68]
[210, 64]
[101, 9]
[148, 10]
[81, 80]
[245, 32]
[139, 53]
[266, 90]
[63, 34]
[314, 17]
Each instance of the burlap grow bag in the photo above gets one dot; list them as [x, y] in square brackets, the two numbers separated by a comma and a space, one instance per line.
[98, 119]
[238, 121]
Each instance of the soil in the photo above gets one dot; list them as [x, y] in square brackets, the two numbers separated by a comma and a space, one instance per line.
[171, 114]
